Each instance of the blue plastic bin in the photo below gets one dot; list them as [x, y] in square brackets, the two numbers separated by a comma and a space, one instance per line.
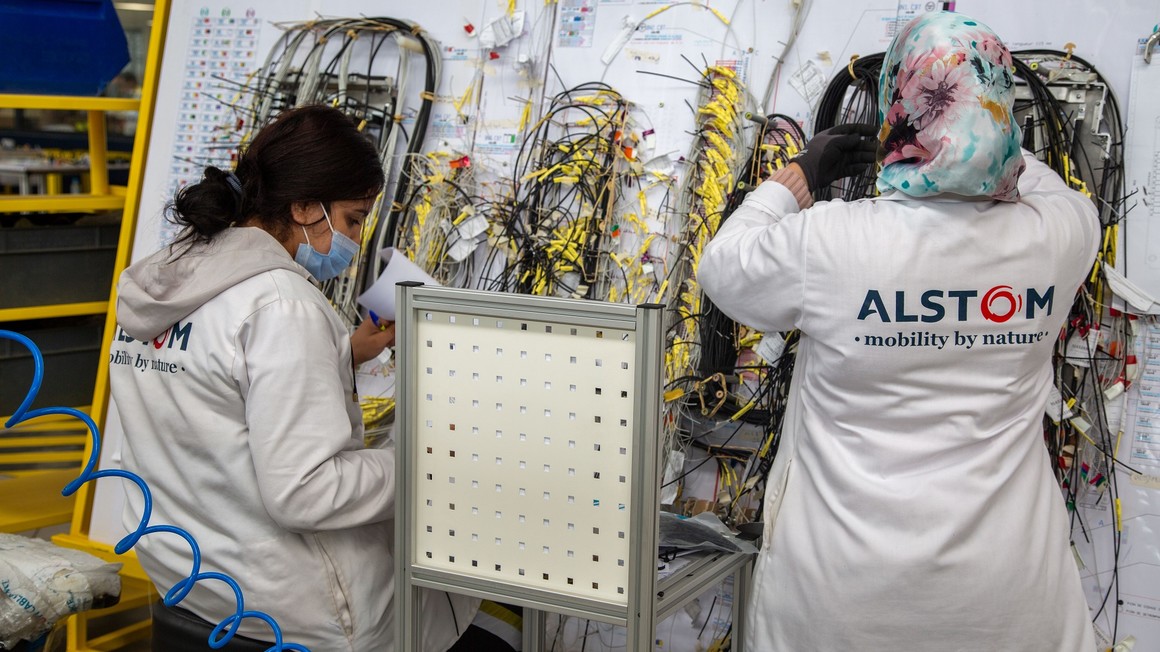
[60, 47]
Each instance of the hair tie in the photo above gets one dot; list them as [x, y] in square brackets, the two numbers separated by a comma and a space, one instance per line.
[235, 184]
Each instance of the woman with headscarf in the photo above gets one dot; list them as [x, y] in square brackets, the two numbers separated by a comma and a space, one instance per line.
[911, 504]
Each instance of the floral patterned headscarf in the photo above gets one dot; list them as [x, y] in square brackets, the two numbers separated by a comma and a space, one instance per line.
[945, 101]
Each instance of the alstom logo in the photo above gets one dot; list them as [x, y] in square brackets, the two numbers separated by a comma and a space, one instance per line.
[998, 304]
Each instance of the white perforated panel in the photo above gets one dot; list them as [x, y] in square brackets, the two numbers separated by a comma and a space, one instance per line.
[522, 440]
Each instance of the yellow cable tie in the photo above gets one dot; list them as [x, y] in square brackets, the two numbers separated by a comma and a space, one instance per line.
[850, 67]
[427, 95]
[362, 124]
[416, 30]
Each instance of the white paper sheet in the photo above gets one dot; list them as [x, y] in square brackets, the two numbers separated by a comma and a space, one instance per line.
[1138, 484]
[1142, 164]
[380, 297]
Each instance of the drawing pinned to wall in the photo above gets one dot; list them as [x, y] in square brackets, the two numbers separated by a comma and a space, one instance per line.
[498, 138]
[1142, 157]
[909, 10]
[1144, 409]
[451, 53]
[739, 65]
[577, 24]
[641, 55]
[1116, 550]
[809, 81]
[447, 126]
[657, 34]
[223, 52]
[502, 30]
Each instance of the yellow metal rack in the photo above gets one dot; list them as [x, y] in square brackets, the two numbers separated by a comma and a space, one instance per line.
[132, 622]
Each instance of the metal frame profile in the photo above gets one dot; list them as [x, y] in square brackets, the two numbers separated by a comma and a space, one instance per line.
[638, 613]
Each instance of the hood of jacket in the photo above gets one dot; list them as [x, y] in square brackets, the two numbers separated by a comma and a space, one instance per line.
[167, 286]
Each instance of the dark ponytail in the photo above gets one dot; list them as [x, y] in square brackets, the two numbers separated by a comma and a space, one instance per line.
[206, 208]
[307, 154]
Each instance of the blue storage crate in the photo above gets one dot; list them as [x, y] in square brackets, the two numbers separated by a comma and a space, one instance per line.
[60, 47]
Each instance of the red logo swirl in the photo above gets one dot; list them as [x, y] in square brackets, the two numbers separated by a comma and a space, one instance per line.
[1001, 293]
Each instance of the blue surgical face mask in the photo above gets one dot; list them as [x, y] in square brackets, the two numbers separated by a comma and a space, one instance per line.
[324, 267]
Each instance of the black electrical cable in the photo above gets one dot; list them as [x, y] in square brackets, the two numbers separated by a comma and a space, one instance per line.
[454, 619]
[851, 99]
[1062, 148]
[389, 227]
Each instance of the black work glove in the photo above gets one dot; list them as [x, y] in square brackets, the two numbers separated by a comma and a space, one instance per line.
[836, 153]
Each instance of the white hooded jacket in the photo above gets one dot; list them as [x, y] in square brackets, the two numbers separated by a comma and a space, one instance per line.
[911, 504]
[234, 381]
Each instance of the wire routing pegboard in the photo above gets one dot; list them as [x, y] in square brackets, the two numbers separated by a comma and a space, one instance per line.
[527, 448]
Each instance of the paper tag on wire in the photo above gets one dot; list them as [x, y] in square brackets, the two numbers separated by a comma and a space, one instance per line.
[674, 465]
[771, 347]
[502, 30]
[1056, 408]
[461, 249]
[1081, 350]
[472, 226]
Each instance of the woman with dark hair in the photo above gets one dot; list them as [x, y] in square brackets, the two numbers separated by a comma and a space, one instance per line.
[239, 406]
[911, 505]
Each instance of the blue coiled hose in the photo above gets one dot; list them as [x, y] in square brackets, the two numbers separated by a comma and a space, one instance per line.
[225, 630]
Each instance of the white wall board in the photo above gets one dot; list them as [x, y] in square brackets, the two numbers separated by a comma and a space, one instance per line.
[570, 42]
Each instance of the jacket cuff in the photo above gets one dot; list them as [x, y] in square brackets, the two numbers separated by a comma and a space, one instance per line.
[796, 183]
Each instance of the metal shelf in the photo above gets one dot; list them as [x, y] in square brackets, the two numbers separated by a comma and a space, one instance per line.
[58, 310]
[59, 203]
[69, 103]
[48, 423]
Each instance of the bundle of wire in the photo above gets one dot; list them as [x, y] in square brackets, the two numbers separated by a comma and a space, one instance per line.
[1094, 361]
[726, 345]
[751, 389]
[312, 63]
[703, 198]
[706, 189]
[851, 97]
[554, 240]
[778, 139]
[707, 405]
[440, 228]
